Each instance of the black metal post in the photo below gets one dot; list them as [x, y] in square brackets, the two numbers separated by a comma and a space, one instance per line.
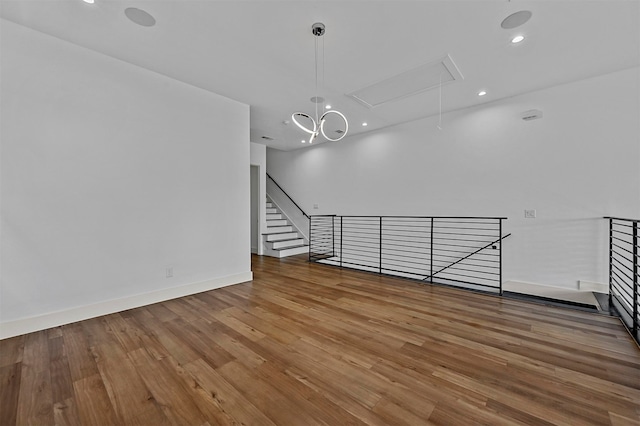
[341, 241]
[431, 253]
[610, 263]
[380, 269]
[333, 236]
[635, 279]
[310, 239]
[500, 248]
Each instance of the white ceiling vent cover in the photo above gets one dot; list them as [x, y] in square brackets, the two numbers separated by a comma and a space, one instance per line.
[408, 83]
[532, 114]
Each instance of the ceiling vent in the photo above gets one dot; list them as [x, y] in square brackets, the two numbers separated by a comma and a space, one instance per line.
[408, 83]
[532, 114]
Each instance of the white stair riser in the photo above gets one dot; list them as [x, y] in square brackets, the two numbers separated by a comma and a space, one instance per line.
[293, 251]
[278, 229]
[287, 243]
[280, 237]
[279, 222]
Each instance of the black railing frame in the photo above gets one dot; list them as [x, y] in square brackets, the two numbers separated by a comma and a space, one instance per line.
[323, 255]
[634, 327]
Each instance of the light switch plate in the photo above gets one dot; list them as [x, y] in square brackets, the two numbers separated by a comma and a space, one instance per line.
[530, 214]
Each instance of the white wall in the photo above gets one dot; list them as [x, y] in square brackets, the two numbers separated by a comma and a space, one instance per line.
[578, 163]
[259, 159]
[110, 174]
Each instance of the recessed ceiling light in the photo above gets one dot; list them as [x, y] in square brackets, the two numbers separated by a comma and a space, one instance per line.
[364, 124]
[517, 39]
[303, 141]
[327, 107]
[140, 17]
[482, 93]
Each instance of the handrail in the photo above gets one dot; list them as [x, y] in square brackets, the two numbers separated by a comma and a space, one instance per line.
[467, 256]
[291, 199]
[622, 218]
[418, 217]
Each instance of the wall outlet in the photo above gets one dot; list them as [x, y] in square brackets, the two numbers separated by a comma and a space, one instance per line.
[316, 207]
[530, 214]
[169, 271]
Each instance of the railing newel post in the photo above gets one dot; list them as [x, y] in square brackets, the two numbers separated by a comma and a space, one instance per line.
[431, 253]
[310, 239]
[380, 259]
[500, 250]
[635, 279]
[341, 220]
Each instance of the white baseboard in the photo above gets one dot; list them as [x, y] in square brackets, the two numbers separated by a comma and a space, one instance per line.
[593, 286]
[68, 316]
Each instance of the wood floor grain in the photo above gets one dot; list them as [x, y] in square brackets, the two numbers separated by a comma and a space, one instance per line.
[307, 344]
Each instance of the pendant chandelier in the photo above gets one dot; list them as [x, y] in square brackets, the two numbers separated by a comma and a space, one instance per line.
[318, 123]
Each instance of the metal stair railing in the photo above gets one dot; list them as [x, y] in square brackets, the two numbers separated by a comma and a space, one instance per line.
[459, 251]
[624, 272]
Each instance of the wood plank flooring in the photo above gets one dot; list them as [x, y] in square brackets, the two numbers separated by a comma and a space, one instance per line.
[307, 344]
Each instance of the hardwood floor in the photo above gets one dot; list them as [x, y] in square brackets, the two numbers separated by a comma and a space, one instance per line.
[307, 344]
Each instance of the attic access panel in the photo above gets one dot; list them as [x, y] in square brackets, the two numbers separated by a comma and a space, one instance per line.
[408, 83]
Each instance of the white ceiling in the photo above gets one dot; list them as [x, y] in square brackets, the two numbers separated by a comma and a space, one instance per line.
[262, 52]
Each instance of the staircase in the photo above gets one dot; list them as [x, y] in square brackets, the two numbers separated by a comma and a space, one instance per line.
[281, 238]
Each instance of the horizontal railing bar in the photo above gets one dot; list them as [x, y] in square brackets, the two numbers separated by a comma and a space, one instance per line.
[362, 253]
[399, 253]
[622, 218]
[622, 291]
[625, 305]
[463, 275]
[618, 254]
[457, 268]
[486, 264]
[626, 225]
[468, 282]
[409, 270]
[621, 232]
[409, 262]
[425, 217]
[465, 239]
[631, 243]
[487, 267]
[387, 239]
[407, 234]
[495, 234]
[622, 248]
[437, 225]
[622, 264]
[466, 252]
[458, 245]
[419, 225]
[623, 284]
[357, 256]
[477, 259]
